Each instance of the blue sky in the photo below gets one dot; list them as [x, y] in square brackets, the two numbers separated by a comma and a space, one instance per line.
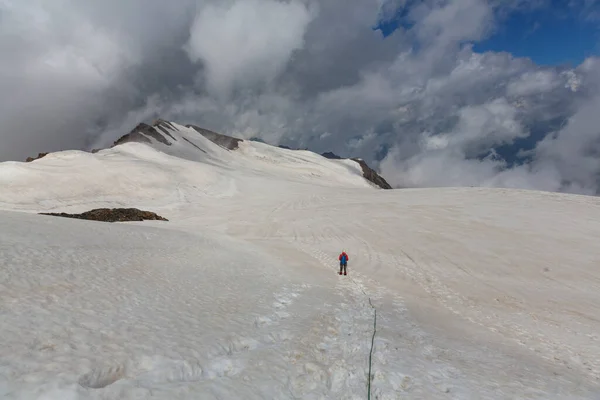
[561, 32]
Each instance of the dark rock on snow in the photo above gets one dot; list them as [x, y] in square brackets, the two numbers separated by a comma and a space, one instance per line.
[112, 215]
[193, 144]
[228, 142]
[140, 134]
[331, 156]
[40, 155]
[371, 175]
[368, 173]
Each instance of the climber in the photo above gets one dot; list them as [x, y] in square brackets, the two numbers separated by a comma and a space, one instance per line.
[343, 261]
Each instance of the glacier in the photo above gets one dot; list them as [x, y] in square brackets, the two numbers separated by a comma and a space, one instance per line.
[480, 293]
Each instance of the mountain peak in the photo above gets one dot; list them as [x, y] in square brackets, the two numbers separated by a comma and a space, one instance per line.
[195, 143]
[162, 131]
[143, 132]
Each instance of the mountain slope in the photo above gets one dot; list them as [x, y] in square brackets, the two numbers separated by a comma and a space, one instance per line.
[480, 293]
[163, 167]
[168, 133]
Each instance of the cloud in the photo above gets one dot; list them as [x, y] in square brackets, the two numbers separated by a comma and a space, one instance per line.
[533, 82]
[454, 22]
[66, 68]
[574, 151]
[246, 42]
[48, 73]
[419, 104]
[564, 159]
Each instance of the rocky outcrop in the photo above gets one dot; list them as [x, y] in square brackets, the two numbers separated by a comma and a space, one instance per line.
[160, 130]
[368, 173]
[164, 127]
[142, 134]
[112, 215]
[331, 156]
[227, 142]
[40, 155]
[371, 175]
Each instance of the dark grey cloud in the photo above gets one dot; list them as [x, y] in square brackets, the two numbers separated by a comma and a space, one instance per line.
[420, 104]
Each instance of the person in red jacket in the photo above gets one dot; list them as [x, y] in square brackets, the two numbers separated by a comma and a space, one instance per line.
[343, 261]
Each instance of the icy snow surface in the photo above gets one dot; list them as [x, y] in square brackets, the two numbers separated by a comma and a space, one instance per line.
[480, 293]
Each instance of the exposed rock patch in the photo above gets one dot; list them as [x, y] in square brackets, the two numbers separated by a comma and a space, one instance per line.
[194, 145]
[166, 132]
[331, 156]
[40, 155]
[141, 134]
[368, 173]
[164, 123]
[164, 127]
[371, 175]
[112, 215]
[228, 142]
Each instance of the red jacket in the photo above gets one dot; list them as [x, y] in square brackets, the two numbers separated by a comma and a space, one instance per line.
[343, 254]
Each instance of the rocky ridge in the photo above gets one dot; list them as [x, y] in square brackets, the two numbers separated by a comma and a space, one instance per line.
[160, 131]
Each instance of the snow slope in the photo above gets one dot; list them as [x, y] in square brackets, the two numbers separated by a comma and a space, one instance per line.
[192, 168]
[480, 293]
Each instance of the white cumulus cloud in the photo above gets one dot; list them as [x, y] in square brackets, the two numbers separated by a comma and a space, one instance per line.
[246, 42]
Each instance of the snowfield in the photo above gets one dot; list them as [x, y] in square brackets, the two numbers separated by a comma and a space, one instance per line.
[480, 293]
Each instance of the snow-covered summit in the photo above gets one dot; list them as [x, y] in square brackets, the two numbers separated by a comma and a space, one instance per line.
[165, 165]
[190, 142]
